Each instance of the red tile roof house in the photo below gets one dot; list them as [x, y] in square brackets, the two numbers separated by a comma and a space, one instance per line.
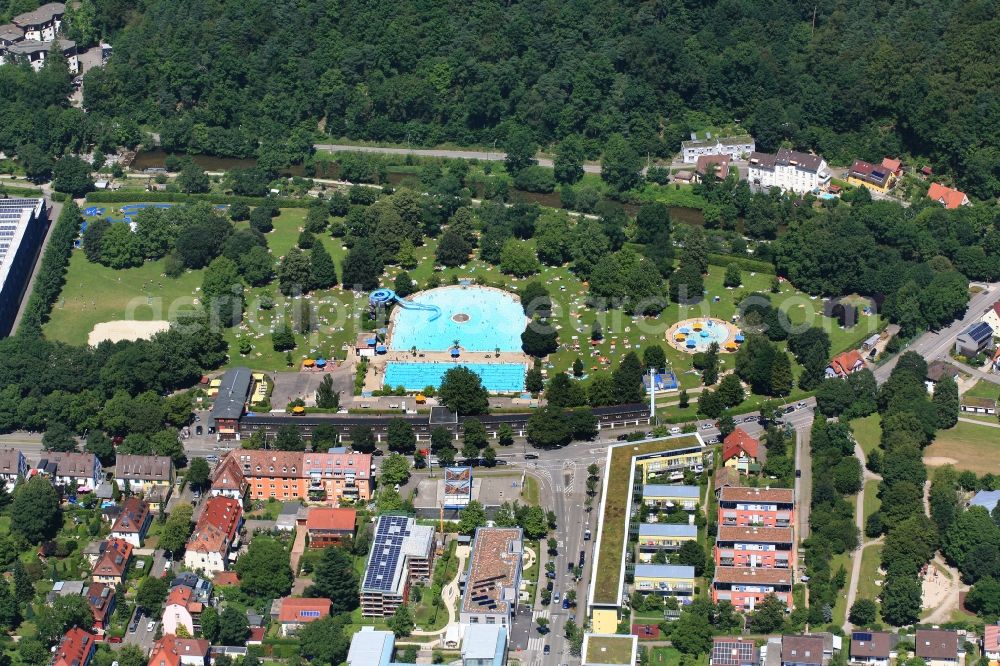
[295, 612]
[709, 163]
[946, 196]
[113, 563]
[329, 526]
[845, 363]
[101, 599]
[182, 610]
[742, 451]
[173, 651]
[766, 507]
[215, 534]
[133, 522]
[991, 642]
[76, 648]
[937, 647]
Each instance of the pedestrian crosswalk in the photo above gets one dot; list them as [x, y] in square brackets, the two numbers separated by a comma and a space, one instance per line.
[536, 644]
[540, 613]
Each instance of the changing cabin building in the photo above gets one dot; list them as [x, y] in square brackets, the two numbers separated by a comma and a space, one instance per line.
[493, 580]
[230, 403]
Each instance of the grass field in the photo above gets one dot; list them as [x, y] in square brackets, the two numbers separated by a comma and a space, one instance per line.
[840, 607]
[668, 656]
[984, 389]
[870, 561]
[867, 432]
[609, 650]
[971, 446]
[616, 503]
[872, 503]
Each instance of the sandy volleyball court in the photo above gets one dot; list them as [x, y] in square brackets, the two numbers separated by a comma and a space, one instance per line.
[125, 329]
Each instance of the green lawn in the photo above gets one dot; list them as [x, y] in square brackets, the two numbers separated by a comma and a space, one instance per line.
[872, 503]
[870, 561]
[967, 446]
[867, 432]
[984, 389]
[840, 607]
[668, 656]
[609, 650]
[529, 494]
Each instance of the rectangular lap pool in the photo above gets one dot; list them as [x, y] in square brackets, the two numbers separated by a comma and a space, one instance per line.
[496, 377]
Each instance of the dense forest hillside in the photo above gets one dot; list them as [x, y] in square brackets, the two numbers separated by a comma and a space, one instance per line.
[845, 78]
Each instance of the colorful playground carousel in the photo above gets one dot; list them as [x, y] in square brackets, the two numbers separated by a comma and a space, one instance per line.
[697, 335]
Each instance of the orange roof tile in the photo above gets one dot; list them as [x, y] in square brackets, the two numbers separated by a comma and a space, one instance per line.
[331, 518]
[950, 198]
[740, 440]
[300, 610]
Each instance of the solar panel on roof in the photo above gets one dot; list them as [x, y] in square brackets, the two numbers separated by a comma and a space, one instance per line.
[861, 636]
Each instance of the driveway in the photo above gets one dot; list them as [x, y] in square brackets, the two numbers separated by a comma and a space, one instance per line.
[143, 636]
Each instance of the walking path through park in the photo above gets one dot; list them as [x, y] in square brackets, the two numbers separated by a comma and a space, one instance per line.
[859, 521]
[449, 595]
[485, 155]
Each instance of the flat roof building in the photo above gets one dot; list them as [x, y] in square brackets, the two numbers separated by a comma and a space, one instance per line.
[402, 553]
[23, 223]
[494, 576]
[230, 402]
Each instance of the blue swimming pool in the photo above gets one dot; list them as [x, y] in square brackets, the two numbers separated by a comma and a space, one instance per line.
[496, 377]
[480, 318]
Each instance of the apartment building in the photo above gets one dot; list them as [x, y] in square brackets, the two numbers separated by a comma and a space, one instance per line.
[36, 52]
[13, 467]
[141, 474]
[42, 24]
[769, 547]
[735, 147]
[23, 223]
[291, 475]
[654, 537]
[788, 170]
[766, 507]
[72, 471]
[182, 610]
[494, 576]
[745, 587]
[671, 497]
[664, 579]
[215, 535]
[402, 553]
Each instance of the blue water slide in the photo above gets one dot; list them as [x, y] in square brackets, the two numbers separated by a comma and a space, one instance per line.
[386, 296]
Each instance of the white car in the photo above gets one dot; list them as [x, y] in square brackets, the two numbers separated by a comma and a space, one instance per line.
[151, 625]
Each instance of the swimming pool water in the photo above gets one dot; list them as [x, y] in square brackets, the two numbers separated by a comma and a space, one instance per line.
[703, 339]
[495, 319]
[496, 377]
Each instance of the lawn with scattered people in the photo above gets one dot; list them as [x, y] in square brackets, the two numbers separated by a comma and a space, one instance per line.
[966, 446]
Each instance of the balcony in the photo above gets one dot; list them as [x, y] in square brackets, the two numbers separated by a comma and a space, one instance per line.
[317, 494]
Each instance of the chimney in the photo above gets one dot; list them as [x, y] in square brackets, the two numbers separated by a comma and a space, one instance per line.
[694, 136]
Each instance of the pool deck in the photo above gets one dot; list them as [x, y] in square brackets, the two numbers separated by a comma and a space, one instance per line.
[376, 365]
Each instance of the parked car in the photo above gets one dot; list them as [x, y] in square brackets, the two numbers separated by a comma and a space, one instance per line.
[198, 430]
[565, 603]
[582, 558]
[151, 625]
[586, 535]
[555, 597]
[546, 649]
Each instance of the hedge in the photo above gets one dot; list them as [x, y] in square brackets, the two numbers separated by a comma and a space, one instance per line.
[13, 190]
[179, 197]
[743, 263]
[52, 272]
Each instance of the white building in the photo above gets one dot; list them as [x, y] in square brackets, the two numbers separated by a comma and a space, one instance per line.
[788, 170]
[22, 227]
[494, 576]
[36, 52]
[42, 24]
[73, 471]
[736, 147]
[13, 466]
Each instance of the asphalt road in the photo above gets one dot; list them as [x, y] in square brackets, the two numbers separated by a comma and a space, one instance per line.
[935, 344]
[488, 156]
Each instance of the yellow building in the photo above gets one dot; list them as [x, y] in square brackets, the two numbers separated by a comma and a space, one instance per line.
[876, 177]
[671, 497]
[676, 460]
[654, 537]
[666, 579]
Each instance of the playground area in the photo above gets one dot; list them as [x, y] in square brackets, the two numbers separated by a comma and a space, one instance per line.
[697, 335]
